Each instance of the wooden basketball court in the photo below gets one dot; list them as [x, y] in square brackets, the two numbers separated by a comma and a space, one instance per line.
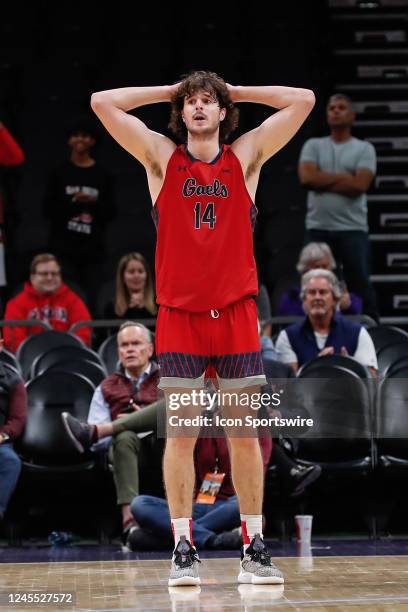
[371, 583]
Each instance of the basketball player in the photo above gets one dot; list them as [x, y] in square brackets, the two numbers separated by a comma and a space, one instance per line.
[203, 196]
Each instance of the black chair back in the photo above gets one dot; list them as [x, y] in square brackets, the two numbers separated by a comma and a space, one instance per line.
[62, 353]
[342, 361]
[401, 363]
[39, 343]
[338, 401]
[108, 352]
[93, 371]
[390, 354]
[44, 440]
[381, 335]
[392, 415]
[10, 359]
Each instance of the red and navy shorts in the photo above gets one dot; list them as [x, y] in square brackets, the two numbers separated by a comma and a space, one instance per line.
[224, 343]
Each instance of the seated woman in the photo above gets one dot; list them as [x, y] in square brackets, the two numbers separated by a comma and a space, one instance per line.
[316, 255]
[134, 297]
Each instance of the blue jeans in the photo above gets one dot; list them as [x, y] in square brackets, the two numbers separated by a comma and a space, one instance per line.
[10, 468]
[351, 249]
[152, 514]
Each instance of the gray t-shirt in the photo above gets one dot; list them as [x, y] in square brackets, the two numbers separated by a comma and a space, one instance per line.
[333, 211]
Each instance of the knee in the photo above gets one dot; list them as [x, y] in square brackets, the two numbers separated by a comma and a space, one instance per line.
[11, 462]
[126, 440]
[139, 506]
[245, 445]
[182, 446]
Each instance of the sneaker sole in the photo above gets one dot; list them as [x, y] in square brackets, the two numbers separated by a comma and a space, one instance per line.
[184, 581]
[77, 444]
[306, 482]
[248, 578]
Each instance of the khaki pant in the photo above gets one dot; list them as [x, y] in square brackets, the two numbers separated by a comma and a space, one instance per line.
[126, 448]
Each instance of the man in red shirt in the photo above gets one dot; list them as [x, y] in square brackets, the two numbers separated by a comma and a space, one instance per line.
[203, 205]
[45, 298]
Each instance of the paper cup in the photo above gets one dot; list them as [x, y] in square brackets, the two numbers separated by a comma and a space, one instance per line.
[303, 524]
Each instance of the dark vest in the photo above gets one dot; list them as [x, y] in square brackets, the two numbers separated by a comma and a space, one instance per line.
[8, 380]
[118, 393]
[342, 333]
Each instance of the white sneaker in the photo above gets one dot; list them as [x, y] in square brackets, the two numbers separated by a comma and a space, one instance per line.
[184, 565]
[257, 566]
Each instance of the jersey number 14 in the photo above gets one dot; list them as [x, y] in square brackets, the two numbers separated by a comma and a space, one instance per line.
[208, 216]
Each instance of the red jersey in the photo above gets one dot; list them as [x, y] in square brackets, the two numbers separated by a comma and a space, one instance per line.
[204, 217]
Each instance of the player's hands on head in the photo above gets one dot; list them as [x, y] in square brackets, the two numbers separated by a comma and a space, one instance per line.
[173, 88]
[232, 90]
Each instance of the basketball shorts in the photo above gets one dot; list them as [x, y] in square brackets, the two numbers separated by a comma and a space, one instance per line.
[224, 343]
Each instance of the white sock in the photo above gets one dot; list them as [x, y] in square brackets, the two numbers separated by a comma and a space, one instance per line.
[251, 525]
[182, 527]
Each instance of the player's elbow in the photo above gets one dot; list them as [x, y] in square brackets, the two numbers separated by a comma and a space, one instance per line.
[307, 98]
[97, 101]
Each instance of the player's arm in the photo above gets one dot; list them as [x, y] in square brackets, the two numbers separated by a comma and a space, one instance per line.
[112, 107]
[294, 105]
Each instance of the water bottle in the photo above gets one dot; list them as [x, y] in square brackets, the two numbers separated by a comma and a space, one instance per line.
[60, 538]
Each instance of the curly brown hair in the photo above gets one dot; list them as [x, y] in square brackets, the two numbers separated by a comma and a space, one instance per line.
[214, 85]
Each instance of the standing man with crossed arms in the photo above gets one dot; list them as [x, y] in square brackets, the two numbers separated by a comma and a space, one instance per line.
[203, 196]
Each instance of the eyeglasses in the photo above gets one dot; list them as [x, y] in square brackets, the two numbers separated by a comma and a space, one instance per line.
[48, 273]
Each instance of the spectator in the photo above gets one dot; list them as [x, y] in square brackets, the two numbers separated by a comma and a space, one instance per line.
[128, 390]
[134, 297]
[317, 255]
[13, 414]
[338, 170]
[324, 331]
[79, 203]
[45, 298]
[10, 155]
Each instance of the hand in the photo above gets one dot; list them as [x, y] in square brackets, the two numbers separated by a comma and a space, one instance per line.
[343, 351]
[233, 91]
[136, 300]
[345, 300]
[267, 331]
[328, 350]
[173, 89]
[122, 415]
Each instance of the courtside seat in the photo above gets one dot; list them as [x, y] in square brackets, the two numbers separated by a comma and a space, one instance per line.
[340, 441]
[56, 479]
[391, 353]
[343, 361]
[93, 371]
[40, 343]
[10, 359]
[62, 353]
[382, 335]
